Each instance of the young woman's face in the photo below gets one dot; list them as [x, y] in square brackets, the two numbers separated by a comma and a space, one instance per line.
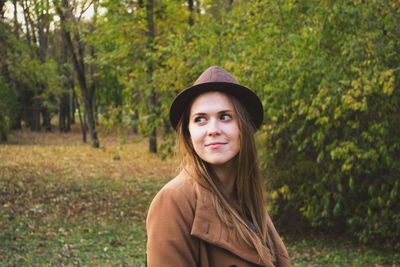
[214, 129]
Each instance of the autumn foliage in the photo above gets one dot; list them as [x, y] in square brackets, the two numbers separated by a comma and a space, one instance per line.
[327, 73]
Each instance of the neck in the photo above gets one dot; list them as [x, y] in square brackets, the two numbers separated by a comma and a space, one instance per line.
[226, 178]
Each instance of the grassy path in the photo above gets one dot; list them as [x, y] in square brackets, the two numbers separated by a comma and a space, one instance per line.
[65, 204]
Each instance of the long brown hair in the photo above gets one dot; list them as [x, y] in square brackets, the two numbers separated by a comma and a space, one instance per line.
[248, 187]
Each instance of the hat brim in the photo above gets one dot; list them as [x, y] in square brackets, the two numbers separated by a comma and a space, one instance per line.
[248, 98]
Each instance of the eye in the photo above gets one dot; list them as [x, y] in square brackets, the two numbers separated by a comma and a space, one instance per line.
[199, 119]
[225, 117]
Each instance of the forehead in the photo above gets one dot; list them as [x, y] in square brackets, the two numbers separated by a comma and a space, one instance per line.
[211, 102]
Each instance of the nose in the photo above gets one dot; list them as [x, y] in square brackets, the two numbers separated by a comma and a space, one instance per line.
[213, 128]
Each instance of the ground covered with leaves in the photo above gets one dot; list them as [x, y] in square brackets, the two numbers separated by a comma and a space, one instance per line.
[63, 203]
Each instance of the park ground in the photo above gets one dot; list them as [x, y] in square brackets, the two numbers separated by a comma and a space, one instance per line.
[63, 203]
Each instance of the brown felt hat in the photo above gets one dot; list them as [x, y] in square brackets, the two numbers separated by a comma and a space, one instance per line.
[217, 79]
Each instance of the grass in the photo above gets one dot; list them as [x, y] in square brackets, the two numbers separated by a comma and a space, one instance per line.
[323, 251]
[63, 203]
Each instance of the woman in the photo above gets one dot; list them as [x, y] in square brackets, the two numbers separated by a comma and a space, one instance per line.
[213, 213]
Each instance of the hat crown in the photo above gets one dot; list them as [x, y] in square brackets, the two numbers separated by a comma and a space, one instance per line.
[215, 74]
[217, 79]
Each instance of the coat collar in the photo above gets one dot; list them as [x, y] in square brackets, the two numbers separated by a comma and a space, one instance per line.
[208, 227]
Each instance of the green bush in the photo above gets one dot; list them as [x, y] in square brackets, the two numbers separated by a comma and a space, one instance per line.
[333, 129]
[8, 100]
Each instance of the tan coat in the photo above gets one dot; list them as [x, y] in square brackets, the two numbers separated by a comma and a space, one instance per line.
[184, 230]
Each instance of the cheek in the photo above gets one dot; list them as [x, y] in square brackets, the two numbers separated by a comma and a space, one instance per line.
[234, 132]
[197, 145]
[195, 136]
[235, 135]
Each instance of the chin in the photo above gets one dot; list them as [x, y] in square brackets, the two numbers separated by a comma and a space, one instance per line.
[218, 161]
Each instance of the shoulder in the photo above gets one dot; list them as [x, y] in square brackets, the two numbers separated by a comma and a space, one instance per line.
[182, 186]
[169, 223]
[183, 182]
[177, 194]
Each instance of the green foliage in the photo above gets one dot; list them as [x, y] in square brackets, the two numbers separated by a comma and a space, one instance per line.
[332, 129]
[8, 99]
[30, 77]
[42, 80]
[320, 251]
[327, 74]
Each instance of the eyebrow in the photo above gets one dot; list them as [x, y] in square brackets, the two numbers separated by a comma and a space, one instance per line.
[219, 112]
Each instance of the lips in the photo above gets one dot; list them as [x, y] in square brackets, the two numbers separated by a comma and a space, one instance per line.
[215, 144]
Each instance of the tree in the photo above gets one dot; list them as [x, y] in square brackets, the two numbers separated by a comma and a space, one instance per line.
[2, 4]
[150, 69]
[74, 42]
[7, 91]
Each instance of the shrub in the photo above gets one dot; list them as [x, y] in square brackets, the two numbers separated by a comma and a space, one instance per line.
[8, 99]
[333, 130]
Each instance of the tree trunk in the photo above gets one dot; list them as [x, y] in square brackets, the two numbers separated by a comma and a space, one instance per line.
[191, 15]
[16, 125]
[141, 4]
[81, 120]
[150, 63]
[135, 124]
[3, 136]
[72, 109]
[72, 98]
[64, 113]
[2, 3]
[65, 99]
[16, 24]
[61, 115]
[43, 30]
[93, 67]
[35, 119]
[93, 101]
[64, 11]
[198, 9]
[85, 121]
[153, 134]
[29, 23]
[46, 119]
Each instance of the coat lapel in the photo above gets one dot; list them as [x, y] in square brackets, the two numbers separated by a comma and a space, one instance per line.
[208, 227]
